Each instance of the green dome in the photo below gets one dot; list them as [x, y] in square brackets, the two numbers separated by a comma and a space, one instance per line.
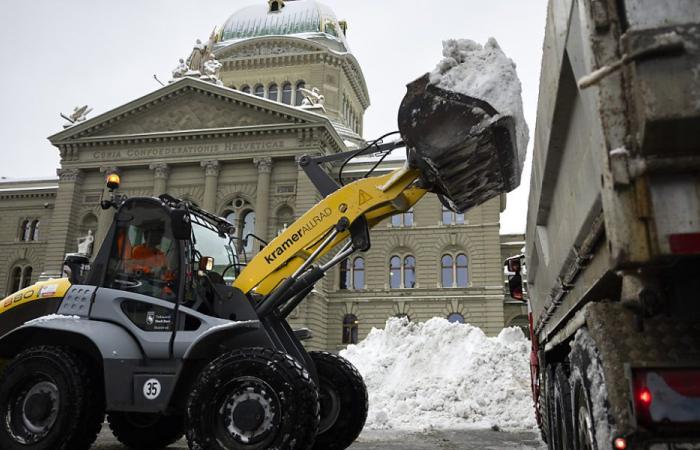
[301, 18]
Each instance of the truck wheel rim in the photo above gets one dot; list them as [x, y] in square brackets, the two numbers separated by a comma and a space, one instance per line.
[33, 411]
[249, 413]
[329, 401]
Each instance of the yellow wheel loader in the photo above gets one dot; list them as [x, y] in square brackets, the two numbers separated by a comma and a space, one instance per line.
[154, 333]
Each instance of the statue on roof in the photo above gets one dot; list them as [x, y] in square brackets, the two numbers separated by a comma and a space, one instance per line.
[181, 69]
[79, 114]
[312, 97]
[200, 53]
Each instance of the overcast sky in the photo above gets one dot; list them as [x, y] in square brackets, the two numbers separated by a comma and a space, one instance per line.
[103, 53]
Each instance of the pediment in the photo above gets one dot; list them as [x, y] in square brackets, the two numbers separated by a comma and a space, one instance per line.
[185, 106]
[192, 111]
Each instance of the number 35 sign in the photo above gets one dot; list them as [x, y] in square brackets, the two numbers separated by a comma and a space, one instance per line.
[151, 389]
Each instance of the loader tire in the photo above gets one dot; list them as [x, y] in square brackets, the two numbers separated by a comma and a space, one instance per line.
[145, 431]
[252, 399]
[590, 419]
[50, 399]
[343, 400]
[562, 435]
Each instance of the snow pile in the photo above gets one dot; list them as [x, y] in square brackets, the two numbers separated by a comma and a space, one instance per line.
[486, 73]
[439, 374]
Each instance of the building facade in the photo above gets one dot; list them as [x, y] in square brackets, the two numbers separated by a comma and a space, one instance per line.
[232, 147]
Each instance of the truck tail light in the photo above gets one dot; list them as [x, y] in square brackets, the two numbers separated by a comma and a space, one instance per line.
[666, 396]
[684, 243]
[620, 443]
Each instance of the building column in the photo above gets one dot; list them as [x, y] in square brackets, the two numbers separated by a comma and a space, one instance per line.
[211, 182]
[262, 197]
[62, 226]
[161, 171]
[104, 221]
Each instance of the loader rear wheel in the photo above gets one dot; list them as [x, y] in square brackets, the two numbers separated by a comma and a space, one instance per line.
[253, 399]
[343, 400]
[48, 400]
[144, 430]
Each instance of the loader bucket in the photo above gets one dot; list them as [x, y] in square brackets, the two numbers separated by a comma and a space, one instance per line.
[464, 149]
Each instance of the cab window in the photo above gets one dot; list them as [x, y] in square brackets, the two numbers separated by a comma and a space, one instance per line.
[144, 257]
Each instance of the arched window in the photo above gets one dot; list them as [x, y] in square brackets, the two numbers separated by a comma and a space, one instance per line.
[20, 278]
[447, 271]
[25, 230]
[402, 219]
[352, 274]
[248, 226]
[358, 273]
[403, 316]
[272, 92]
[35, 230]
[15, 279]
[395, 272]
[461, 270]
[454, 271]
[233, 87]
[245, 89]
[287, 93]
[242, 216]
[260, 90]
[350, 326]
[402, 273]
[455, 318]
[450, 217]
[299, 94]
[26, 277]
[409, 272]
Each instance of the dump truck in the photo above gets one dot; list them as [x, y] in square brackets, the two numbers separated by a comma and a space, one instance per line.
[613, 226]
[154, 333]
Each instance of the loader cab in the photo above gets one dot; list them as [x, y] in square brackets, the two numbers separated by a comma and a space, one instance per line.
[145, 256]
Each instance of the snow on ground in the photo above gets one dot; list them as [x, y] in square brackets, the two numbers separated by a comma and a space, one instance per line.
[443, 375]
[486, 73]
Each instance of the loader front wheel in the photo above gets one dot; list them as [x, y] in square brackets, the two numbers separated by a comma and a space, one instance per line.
[343, 399]
[253, 399]
[49, 400]
[145, 430]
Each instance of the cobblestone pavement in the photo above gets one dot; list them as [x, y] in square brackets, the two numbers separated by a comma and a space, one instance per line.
[395, 440]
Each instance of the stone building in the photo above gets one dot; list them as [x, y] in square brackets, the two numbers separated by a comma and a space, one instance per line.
[232, 148]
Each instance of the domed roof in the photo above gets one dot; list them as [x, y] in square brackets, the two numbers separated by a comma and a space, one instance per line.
[301, 18]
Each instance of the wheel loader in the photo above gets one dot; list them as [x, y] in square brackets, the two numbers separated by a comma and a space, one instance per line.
[168, 333]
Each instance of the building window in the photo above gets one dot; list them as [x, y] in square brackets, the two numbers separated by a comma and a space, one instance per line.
[245, 89]
[24, 230]
[402, 273]
[20, 278]
[403, 219]
[403, 316]
[260, 90]
[350, 326]
[299, 94]
[35, 230]
[455, 318]
[287, 93]
[243, 218]
[450, 217]
[352, 274]
[272, 92]
[233, 87]
[454, 271]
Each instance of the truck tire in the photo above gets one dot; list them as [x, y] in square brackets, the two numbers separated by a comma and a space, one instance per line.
[144, 431]
[343, 401]
[49, 400]
[590, 416]
[547, 416]
[253, 399]
[562, 436]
